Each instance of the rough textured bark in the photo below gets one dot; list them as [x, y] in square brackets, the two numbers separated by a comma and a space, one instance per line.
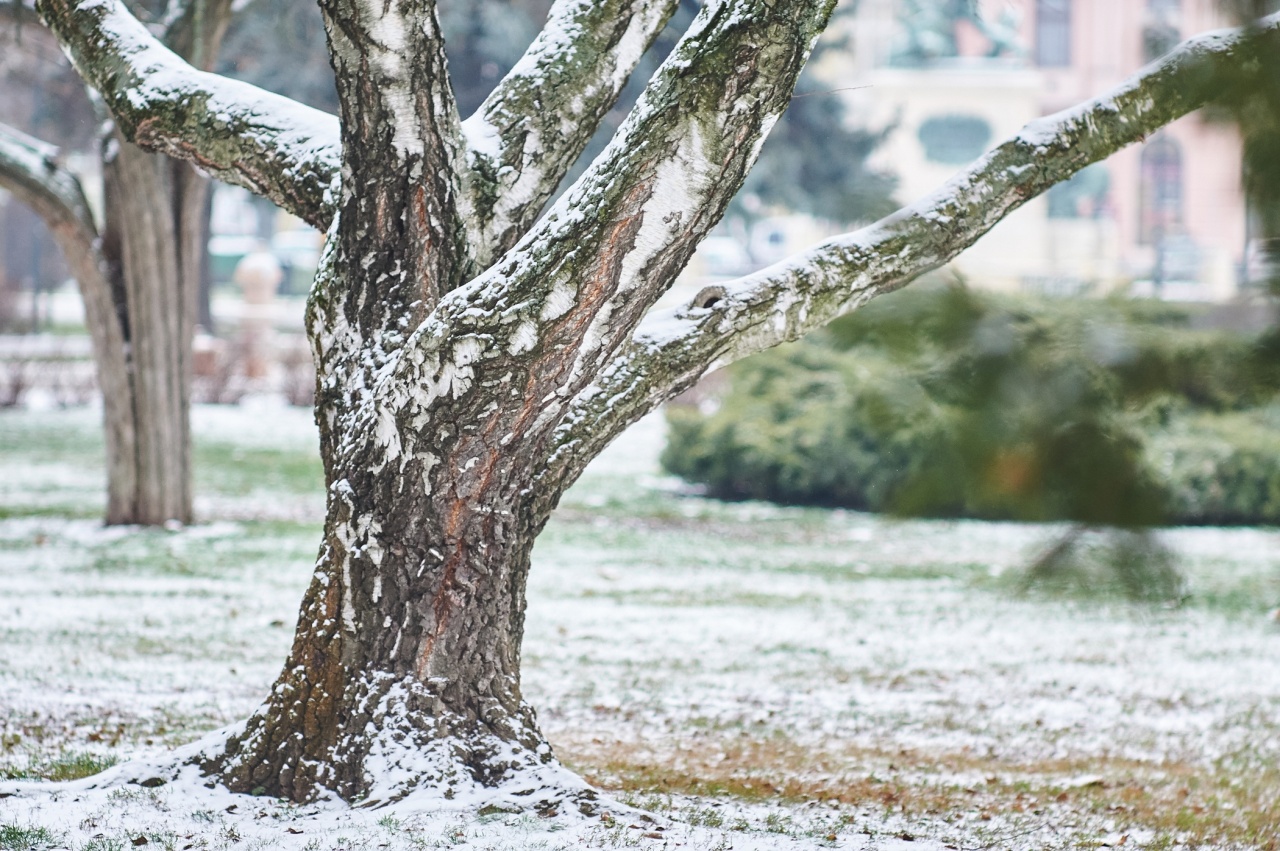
[472, 358]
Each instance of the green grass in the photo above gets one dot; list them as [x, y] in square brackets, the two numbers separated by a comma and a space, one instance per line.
[230, 470]
[70, 765]
[15, 837]
[75, 439]
[238, 549]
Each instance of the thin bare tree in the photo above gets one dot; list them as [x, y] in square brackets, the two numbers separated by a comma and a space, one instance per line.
[138, 271]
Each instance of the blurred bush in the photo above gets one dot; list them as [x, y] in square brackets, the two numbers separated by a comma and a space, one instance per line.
[946, 402]
[807, 424]
[1221, 468]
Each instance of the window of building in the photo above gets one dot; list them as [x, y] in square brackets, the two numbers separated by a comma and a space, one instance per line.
[1084, 196]
[954, 139]
[1161, 32]
[1053, 33]
[1161, 187]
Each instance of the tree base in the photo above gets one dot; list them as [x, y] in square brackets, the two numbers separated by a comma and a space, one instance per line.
[406, 776]
[395, 739]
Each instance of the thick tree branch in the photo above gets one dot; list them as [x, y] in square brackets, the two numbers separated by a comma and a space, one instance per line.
[405, 159]
[236, 132]
[528, 133]
[722, 324]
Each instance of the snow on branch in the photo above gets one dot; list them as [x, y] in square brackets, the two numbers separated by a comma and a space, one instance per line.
[528, 133]
[32, 170]
[236, 132]
[615, 241]
[558, 305]
[392, 54]
[672, 349]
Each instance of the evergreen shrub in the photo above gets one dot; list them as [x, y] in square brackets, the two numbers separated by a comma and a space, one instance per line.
[947, 402]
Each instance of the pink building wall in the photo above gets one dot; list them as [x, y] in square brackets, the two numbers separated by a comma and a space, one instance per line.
[1106, 47]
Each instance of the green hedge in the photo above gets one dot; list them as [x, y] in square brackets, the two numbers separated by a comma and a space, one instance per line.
[1221, 469]
[809, 425]
[950, 403]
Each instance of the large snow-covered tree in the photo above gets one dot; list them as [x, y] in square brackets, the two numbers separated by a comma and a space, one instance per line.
[138, 269]
[475, 352]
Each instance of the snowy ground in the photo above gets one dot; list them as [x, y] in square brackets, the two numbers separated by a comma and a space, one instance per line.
[752, 676]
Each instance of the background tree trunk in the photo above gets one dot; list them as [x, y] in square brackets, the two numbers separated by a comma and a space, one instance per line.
[140, 283]
[31, 169]
[150, 205]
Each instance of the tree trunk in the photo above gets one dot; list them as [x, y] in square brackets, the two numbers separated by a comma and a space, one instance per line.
[111, 358]
[404, 673]
[405, 668]
[158, 250]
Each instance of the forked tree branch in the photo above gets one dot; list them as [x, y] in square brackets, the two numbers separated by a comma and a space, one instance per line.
[723, 324]
[236, 132]
[528, 133]
[575, 287]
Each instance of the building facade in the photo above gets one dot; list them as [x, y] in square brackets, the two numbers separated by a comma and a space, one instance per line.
[1164, 218]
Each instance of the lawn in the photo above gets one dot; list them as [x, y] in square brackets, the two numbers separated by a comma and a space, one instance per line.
[751, 676]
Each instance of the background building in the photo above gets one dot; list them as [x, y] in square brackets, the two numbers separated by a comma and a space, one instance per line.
[1165, 218]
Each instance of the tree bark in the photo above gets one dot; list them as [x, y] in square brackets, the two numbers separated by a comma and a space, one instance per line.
[405, 669]
[139, 285]
[149, 203]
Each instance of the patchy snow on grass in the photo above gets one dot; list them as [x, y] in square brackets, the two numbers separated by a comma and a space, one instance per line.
[733, 675]
[263, 422]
